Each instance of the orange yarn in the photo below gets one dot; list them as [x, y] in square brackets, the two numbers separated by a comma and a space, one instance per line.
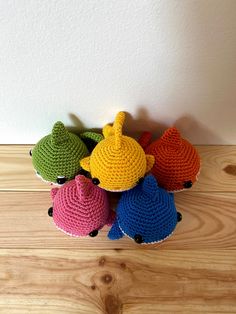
[177, 162]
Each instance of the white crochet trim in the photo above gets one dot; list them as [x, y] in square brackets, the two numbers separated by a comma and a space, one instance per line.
[39, 176]
[68, 233]
[176, 191]
[118, 190]
[143, 243]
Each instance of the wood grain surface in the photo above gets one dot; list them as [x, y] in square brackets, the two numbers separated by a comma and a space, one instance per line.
[45, 271]
[82, 281]
[209, 221]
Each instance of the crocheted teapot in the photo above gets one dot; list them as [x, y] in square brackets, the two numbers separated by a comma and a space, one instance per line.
[146, 214]
[177, 163]
[118, 162]
[80, 208]
[56, 157]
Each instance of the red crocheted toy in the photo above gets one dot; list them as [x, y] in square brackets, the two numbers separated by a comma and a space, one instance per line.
[177, 163]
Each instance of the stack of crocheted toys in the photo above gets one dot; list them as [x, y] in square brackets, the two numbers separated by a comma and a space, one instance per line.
[89, 165]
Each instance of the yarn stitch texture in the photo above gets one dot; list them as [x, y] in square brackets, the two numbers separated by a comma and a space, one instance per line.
[118, 161]
[176, 160]
[80, 207]
[147, 211]
[59, 153]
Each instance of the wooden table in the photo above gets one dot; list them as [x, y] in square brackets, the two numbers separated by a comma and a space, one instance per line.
[44, 271]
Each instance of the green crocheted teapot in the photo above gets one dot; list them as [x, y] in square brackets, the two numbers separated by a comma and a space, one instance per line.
[56, 157]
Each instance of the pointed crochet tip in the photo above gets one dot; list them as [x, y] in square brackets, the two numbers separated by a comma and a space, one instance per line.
[120, 118]
[118, 124]
[150, 185]
[59, 133]
[84, 186]
[172, 137]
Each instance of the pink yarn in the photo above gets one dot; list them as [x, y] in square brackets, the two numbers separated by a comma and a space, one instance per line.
[80, 207]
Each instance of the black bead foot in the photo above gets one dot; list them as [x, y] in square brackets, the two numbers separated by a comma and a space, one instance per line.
[93, 234]
[188, 184]
[179, 216]
[138, 239]
[61, 180]
[95, 181]
[50, 212]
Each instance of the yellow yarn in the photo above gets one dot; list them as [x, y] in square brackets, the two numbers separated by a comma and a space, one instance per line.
[118, 161]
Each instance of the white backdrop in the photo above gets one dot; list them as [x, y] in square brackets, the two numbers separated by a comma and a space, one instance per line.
[163, 61]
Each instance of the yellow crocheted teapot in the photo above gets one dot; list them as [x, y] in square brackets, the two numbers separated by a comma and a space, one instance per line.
[118, 162]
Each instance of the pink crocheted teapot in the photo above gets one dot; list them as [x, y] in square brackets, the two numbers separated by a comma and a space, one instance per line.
[80, 208]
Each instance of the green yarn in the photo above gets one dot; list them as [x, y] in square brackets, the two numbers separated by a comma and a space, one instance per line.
[59, 134]
[96, 137]
[59, 153]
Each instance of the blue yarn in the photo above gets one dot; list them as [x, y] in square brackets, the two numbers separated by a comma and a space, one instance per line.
[115, 233]
[146, 210]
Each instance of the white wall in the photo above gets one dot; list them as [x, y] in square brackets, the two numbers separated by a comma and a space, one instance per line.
[163, 61]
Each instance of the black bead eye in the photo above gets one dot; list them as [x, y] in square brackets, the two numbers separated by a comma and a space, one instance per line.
[188, 184]
[138, 238]
[30, 152]
[179, 216]
[93, 233]
[95, 181]
[61, 180]
[140, 180]
[50, 212]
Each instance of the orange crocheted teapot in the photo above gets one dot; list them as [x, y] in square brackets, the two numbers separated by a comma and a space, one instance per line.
[177, 162]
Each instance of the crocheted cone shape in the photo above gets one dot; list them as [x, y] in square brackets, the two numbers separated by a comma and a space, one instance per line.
[80, 208]
[146, 214]
[56, 157]
[177, 162]
[118, 162]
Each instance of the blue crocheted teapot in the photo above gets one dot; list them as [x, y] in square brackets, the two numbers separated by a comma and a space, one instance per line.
[146, 214]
